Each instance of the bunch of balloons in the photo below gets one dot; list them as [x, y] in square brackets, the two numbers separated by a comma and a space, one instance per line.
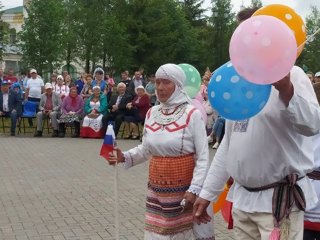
[263, 50]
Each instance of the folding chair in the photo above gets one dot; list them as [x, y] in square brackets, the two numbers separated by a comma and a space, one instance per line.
[29, 111]
[3, 123]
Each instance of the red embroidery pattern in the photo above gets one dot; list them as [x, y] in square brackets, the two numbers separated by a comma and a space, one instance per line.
[172, 127]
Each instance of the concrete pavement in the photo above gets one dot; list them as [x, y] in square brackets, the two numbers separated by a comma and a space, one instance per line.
[61, 189]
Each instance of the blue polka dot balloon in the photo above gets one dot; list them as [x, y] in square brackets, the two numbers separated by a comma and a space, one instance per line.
[234, 97]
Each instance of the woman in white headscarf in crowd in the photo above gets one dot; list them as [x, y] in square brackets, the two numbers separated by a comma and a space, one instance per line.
[98, 80]
[178, 163]
[95, 107]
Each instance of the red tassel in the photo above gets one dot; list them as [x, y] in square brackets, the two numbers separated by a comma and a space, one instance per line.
[275, 234]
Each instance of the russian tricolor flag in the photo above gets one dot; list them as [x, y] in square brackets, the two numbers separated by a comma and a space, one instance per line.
[108, 142]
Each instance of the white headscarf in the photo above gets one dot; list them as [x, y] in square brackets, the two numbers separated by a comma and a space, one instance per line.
[174, 73]
[100, 70]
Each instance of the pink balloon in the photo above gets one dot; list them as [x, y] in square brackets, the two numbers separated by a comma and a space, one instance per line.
[198, 105]
[263, 49]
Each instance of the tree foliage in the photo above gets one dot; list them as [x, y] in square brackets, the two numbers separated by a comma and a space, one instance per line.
[223, 20]
[256, 4]
[42, 34]
[126, 34]
[194, 12]
[4, 30]
[309, 56]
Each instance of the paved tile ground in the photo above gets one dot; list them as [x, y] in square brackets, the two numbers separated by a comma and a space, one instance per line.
[61, 189]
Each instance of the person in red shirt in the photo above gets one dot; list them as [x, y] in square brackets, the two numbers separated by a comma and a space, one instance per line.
[10, 77]
[136, 112]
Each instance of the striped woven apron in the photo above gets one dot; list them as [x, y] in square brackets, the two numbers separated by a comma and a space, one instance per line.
[169, 179]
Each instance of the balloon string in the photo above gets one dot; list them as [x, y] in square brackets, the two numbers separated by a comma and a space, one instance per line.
[309, 38]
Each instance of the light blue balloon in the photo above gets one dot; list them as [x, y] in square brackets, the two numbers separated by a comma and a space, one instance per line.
[234, 97]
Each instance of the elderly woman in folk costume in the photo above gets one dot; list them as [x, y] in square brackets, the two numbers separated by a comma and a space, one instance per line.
[178, 164]
[95, 107]
[72, 111]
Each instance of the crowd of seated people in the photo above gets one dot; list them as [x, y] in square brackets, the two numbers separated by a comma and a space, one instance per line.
[88, 105]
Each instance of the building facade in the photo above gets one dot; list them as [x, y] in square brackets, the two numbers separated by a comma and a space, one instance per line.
[14, 17]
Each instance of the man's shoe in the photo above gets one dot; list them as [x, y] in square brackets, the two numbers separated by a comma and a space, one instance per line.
[55, 133]
[38, 134]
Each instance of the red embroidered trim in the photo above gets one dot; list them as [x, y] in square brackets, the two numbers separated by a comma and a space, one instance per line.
[177, 126]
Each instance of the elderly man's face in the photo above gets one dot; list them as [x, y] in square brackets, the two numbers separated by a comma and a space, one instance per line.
[121, 89]
[164, 88]
[5, 88]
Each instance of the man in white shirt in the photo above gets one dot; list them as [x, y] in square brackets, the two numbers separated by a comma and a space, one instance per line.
[34, 89]
[268, 161]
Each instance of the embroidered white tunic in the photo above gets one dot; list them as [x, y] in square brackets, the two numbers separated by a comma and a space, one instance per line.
[313, 214]
[267, 148]
[185, 136]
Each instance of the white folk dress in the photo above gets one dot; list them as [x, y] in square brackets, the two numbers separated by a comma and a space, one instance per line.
[94, 123]
[185, 136]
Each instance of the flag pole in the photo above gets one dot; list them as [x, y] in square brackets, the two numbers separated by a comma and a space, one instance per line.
[116, 188]
[116, 201]
[109, 146]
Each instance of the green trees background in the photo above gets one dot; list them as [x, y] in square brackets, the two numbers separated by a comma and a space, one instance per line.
[135, 34]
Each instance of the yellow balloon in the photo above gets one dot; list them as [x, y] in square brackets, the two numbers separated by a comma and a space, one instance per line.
[289, 17]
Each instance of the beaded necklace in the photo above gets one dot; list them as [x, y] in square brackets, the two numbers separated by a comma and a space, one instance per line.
[165, 116]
